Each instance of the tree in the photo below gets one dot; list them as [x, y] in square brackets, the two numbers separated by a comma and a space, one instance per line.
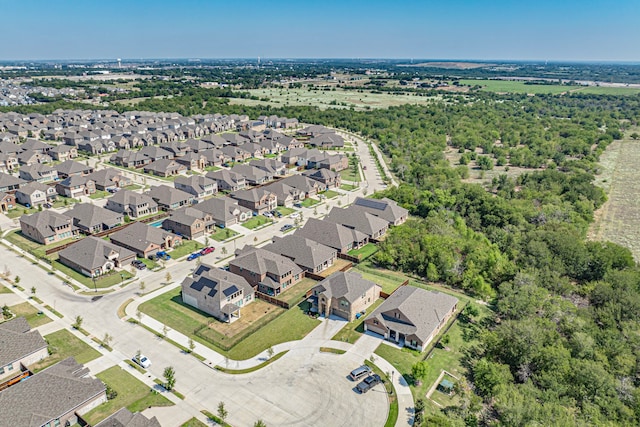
[206, 241]
[165, 331]
[222, 411]
[106, 340]
[142, 287]
[224, 250]
[270, 352]
[16, 280]
[418, 413]
[169, 375]
[33, 291]
[635, 136]
[259, 423]
[168, 277]
[192, 345]
[77, 324]
[139, 315]
[418, 371]
[6, 312]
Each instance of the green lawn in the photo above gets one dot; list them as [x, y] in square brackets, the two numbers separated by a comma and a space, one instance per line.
[186, 248]
[284, 211]
[151, 264]
[308, 202]
[30, 313]
[23, 242]
[222, 234]
[212, 168]
[256, 221]
[364, 252]
[330, 194]
[99, 194]
[64, 201]
[194, 422]
[507, 86]
[353, 330]
[63, 344]
[349, 174]
[295, 293]
[105, 281]
[132, 394]
[5, 290]
[19, 211]
[348, 187]
[133, 187]
[389, 280]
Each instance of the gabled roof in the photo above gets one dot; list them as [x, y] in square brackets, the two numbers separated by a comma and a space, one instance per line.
[301, 182]
[187, 216]
[329, 233]
[104, 176]
[261, 261]
[17, 340]
[357, 218]
[48, 395]
[234, 138]
[128, 197]
[165, 195]
[164, 166]
[74, 181]
[7, 180]
[86, 215]
[46, 222]
[216, 283]
[220, 208]
[384, 208]
[321, 174]
[92, 252]
[253, 195]
[139, 236]
[304, 252]
[225, 176]
[348, 285]
[124, 418]
[32, 187]
[196, 182]
[70, 167]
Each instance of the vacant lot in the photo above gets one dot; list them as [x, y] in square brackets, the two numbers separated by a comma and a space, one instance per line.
[618, 220]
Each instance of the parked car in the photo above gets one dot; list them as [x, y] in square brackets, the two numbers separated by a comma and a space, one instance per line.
[207, 250]
[368, 383]
[286, 227]
[295, 215]
[142, 360]
[278, 214]
[297, 205]
[138, 264]
[47, 205]
[268, 214]
[360, 372]
[163, 255]
[194, 256]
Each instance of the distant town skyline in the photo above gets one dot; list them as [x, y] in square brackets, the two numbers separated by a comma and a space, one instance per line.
[561, 30]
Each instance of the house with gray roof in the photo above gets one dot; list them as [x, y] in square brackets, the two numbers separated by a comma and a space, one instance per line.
[309, 187]
[38, 172]
[285, 194]
[224, 211]
[326, 177]
[235, 154]
[336, 236]
[125, 418]
[189, 222]
[357, 218]
[130, 159]
[385, 208]
[109, 178]
[227, 180]
[47, 227]
[213, 157]
[144, 239]
[70, 167]
[411, 316]
[20, 347]
[344, 294]
[156, 153]
[164, 167]
[217, 292]
[311, 256]
[63, 152]
[268, 272]
[52, 397]
[76, 186]
[327, 140]
[273, 167]
[91, 219]
[35, 193]
[193, 161]
[259, 200]
[252, 174]
[94, 257]
[169, 198]
[234, 138]
[132, 204]
[200, 187]
[9, 183]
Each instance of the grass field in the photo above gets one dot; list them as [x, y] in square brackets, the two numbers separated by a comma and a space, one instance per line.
[63, 344]
[509, 86]
[30, 313]
[364, 252]
[331, 99]
[222, 234]
[132, 394]
[618, 220]
[256, 221]
[350, 175]
[186, 248]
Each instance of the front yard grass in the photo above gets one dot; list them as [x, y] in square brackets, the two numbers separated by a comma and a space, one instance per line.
[19, 211]
[364, 252]
[186, 248]
[23, 242]
[64, 201]
[350, 175]
[114, 277]
[330, 194]
[99, 194]
[30, 313]
[5, 290]
[133, 187]
[308, 202]
[284, 211]
[63, 344]
[132, 394]
[222, 234]
[348, 187]
[151, 264]
[194, 422]
[352, 331]
[256, 221]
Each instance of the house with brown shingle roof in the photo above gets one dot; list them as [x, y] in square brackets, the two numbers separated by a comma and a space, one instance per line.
[20, 347]
[344, 294]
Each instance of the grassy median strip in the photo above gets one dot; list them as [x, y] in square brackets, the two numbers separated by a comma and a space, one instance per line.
[194, 422]
[254, 368]
[331, 350]
[215, 418]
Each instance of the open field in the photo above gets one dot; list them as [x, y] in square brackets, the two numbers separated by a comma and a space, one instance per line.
[330, 99]
[63, 344]
[511, 86]
[618, 220]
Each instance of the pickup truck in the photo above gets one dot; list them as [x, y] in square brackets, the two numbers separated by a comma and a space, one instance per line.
[368, 383]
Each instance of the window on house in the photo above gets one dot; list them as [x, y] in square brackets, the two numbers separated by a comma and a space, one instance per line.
[375, 322]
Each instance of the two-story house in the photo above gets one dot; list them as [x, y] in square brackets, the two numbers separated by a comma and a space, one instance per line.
[266, 271]
[200, 187]
[132, 204]
[344, 294]
[47, 227]
[258, 200]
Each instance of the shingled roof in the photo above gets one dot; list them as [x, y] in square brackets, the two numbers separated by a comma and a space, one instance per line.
[124, 418]
[349, 285]
[17, 340]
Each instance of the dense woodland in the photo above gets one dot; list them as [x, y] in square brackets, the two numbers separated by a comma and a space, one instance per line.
[564, 346]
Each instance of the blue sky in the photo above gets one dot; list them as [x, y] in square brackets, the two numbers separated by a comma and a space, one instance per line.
[585, 30]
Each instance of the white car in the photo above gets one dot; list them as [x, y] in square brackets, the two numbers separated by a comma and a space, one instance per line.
[294, 215]
[142, 361]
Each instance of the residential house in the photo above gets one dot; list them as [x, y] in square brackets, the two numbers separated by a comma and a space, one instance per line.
[234, 138]
[327, 177]
[21, 348]
[256, 150]
[7, 202]
[327, 140]
[165, 167]
[134, 205]
[76, 186]
[290, 143]
[234, 154]
[295, 156]
[311, 256]
[70, 167]
[258, 200]
[358, 219]
[130, 159]
[217, 292]
[125, 418]
[94, 257]
[227, 180]
[109, 178]
[252, 175]
[344, 294]
[411, 316]
[213, 157]
[38, 172]
[385, 208]
[35, 146]
[193, 161]
[9, 183]
[224, 211]
[169, 198]
[309, 187]
[52, 397]
[63, 152]
[336, 236]
[91, 219]
[35, 193]
[198, 145]
[144, 239]
[29, 158]
[285, 194]
[272, 166]
[47, 227]
[200, 187]
[189, 222]
[324, 160]
[314, 130]
[156, 153]
[8, 162]
[268, 272]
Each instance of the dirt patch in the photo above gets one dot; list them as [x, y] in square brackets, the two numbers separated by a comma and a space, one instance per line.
[249, 315]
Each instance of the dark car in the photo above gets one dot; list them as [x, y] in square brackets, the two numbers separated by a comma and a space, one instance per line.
[286, 227]
[207, 250]
[193, 256]
[368, 383]
[138, 264]
[47, 205]
[163, 255]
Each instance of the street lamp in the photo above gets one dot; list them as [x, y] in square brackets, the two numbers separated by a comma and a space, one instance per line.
[122, 277]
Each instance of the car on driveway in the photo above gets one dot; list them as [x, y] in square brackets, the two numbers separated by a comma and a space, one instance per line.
[138, 264]
[194, 256]
[142, 360]
[295, 215]
[286, 227]
[48, 205]
[268, 214]
[207, 250]
[163, 255]
[368, 383]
